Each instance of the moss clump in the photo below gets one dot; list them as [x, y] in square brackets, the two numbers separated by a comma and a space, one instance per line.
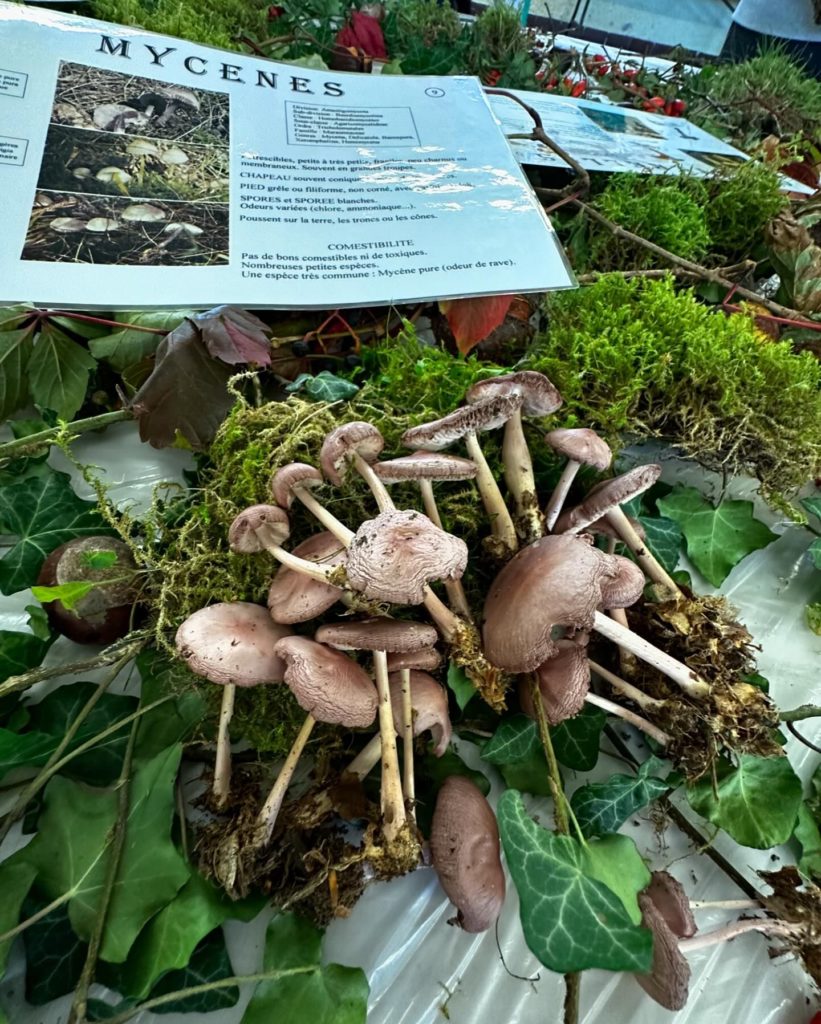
[639, 358]
[215, 22]
[740, 205]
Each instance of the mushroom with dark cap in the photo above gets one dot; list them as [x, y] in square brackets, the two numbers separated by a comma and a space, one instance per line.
[380, 636]
[297, 480]
[356, 444]
[231, 644]
[332, 688]
[563, 681]
[464, 846]
[540, 398]
[605, 500]
[581, 447]
[425, 468]
[665, 910]
[556, 581]
[295, 597]
[466, 423]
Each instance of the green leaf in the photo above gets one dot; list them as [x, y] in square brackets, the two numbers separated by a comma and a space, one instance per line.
[516, 740]
[328, 994]
[68, 593]
[602, 807]
[99, 559]
[576, 740]
[174, 721]
[463, 689]
[664, 539]
[38, 623]
[209, 962]
[124, 349]
[813, 506]
[572, 920]
[616, 862]
[43, 512]
[717, 538]
[58, 372]
[807, 833]
[15, 882]
[757, 802]
[15, 352]
[71, 851]
[814, 551]
[324, 387]
[54, 954]
[20, 652]
[813, 612]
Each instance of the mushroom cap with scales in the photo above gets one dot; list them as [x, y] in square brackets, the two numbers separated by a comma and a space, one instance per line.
[539, 396]
[430, 708]
[378, 634]
[295, 474]
[357, 437]
[563, 679]
[425, 660]
[581, 445]
[295, 597]
[232, 643]
[469, 419]
[423, 465]
[328, 684]
[626, 587]
[610, 494]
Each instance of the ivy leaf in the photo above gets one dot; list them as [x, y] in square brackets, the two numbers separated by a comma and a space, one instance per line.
[15, 351]
[38, 623]
[757, 802]
[323, 994]
[98, 559]
[463, 689]
[15, 881]
[807, 834]
[572, 921]
[516, 750]
[813, 506]
[717, 538]
[71, 851]
[814, 551]
[54, 954]
[664, 539]
[124, 349]
[67, 593]
[576, 740]
[20, 652]
[43, 512]
[58, 372]
[209, 962]
[324, 387]
[174, 721]
[615, 861]
[603, 807]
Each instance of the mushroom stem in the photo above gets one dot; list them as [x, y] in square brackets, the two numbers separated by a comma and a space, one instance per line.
[378, 489]
[766, 926]
[367, 758]
[500, 518]
[629, 716]
[222, 762]
[725, 905]
[446, 621]
[393, 806]
[633, 692]
[302, 565]
[560, 492]
[684, 677]
[270, 809]
[409, 785]
[520, 480]
[645, 558]
[627, 660]
[454, 589]
[326, 518]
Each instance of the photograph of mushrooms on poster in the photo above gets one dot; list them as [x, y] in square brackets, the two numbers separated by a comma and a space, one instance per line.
[134, 172]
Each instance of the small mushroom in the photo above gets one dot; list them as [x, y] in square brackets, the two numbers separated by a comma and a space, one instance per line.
[142, 147]
[464, 846]
[182, 228]
[174, 157]
[332, 688]
[581, 447]
[81, 173]
[668, 981]
[298, 480]
[67, 225]
[294, 597]
[115, 176]
[116, 117]
[143, 213]
[103, 225]
[624, 588]
[356, 444]
[231, 644]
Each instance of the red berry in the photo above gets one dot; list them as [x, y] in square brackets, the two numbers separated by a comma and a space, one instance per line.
[579, 89]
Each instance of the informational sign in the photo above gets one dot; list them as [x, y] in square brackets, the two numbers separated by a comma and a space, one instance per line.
[138, 170]
[604, 137]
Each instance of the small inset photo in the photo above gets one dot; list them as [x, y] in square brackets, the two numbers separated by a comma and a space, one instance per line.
[616, 121]
[108, 101]
[70, 228]
[75, 160]
[720, 161]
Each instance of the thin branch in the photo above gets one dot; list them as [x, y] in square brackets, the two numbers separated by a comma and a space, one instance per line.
[106, 657]
[26, 445]
[800, 713]
[801, 738]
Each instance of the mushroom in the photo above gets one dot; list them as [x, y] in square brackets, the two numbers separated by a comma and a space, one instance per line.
[103, 225]
[464, 846]
[332, 688]
[174, 97]
[141, 148]
[115, 176]
[174, 157]
[294, 597]
[424, 468]
[540, 398]
[231, 644]
[143, 213]
[557, 581]
[605, 500]
[67, 225]
[665, 910]
[181, 232]
[581, 447]
[81, 173]
[357, 444]
[564, 680]
[297, 480]
[380, 636]
[466, 423]
[116, 117]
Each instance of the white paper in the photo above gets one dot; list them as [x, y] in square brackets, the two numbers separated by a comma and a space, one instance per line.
[269, 184]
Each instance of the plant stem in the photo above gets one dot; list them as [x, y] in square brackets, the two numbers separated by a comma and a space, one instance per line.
[267, 817]
[638, 696]
[766, 926]
[800, 713]
[12, 933]
[725, 905]
[25, 445]
[80, 1002]
[222, 761]
[106, 657]
[659, 735]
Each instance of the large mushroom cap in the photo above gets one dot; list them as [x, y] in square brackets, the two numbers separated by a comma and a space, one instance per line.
[487, 415]
[581, 445]
[539, 396]
[328, 684]
[243, 533]
[556, 581]
[232, 643]
[295, 597]
[563, 683]
[425, 466]
[672, 902]
[430, 708]
[626, 587]
[464, 846]
[394, 555]
[427, 660]
[668, 981]
[296, 474]
[341, 444]
[378, 634]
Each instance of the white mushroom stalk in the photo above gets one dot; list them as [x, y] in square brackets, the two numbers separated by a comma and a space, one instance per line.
[581, 447]
[659, 735]
[633, 693]
[270, 809]
[766, 926]
[393, 803]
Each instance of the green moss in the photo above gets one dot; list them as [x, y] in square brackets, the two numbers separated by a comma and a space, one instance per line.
[215, 22]
[741, 203]
[637, 358]
[497, 42]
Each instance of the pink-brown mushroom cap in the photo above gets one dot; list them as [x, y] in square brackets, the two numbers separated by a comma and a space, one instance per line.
[426, 660]
[295, 474]
[609, 494]
[378, 634]
[563, 682]
[668, 981]
[464, 846]
[255, 523]
[430, 708]
[295, 597]
[339, 446]
[673, 903]
[626, 587]
[580, 444]
[425, 466]
[487, 415]
[328, 684]
[539, 396]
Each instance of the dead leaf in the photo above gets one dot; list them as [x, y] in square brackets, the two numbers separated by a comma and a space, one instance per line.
[472, 320]
[234, 335]
[363, 33]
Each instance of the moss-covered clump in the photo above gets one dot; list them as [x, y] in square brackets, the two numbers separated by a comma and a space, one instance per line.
[215, 22]
[740, 205]
[637, 358]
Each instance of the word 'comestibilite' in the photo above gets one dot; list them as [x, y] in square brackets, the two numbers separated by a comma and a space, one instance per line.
[196, 65]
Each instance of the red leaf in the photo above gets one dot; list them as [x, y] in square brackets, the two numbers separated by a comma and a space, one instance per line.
[234, 335]
[472, 320]
[365, 33]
